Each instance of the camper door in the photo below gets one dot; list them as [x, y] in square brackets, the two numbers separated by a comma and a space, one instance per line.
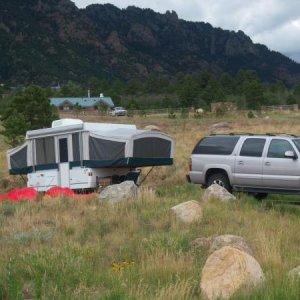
[64, 146]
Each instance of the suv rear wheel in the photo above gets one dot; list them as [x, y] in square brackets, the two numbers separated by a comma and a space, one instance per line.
[220, 179]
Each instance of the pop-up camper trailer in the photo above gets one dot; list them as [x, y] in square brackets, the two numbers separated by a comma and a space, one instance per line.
[79, 155]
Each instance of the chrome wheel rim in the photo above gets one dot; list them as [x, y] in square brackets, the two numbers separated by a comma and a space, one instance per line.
[219, 182]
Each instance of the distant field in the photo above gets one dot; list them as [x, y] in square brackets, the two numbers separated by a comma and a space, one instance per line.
[80, 249]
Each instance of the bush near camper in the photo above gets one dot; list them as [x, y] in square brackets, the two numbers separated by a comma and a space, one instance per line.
[28, 110]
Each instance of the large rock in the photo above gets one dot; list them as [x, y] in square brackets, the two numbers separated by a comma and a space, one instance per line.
[216, 191]
[294, 274]
[233, 241]
[188, 212]
[118, 192]
[228, 269]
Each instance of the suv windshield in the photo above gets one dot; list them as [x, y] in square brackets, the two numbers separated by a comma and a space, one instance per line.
[297, 143]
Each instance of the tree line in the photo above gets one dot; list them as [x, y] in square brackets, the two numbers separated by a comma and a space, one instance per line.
[28, 108]
[198, 89]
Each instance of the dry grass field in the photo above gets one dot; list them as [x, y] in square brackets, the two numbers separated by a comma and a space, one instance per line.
[66, 248]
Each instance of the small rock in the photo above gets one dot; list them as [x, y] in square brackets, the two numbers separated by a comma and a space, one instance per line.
[199, 111]
[294, 274]
[216, 242]
[216, 191]
[228, 269]
[188, 212]
[152, 127]
[28, 291]
[233, 241]
[221, 125]
[119, 192]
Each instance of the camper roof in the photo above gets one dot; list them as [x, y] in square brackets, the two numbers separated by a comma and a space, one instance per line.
[65, 122]
[74, 125]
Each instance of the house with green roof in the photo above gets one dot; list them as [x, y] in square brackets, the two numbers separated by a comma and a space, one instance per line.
[85, 103]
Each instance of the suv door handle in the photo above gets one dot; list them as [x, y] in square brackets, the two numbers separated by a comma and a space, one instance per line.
[268, 163]
[240, 162]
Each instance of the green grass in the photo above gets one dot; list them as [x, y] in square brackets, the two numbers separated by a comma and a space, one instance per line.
[66, 248]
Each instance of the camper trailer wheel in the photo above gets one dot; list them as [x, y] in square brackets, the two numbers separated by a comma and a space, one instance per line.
[116, 179]
[84, 191]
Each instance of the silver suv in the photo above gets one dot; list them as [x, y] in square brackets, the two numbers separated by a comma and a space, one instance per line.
[259, 164]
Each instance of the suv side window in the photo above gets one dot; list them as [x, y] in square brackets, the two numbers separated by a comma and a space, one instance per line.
[253, 147]
[278, 147]
[216, 145]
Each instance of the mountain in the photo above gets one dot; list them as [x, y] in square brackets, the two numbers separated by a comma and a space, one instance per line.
[44, 41]
[293, 55]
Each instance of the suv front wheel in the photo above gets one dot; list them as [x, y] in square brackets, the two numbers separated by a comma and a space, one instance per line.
[220, 179]
[259, 196]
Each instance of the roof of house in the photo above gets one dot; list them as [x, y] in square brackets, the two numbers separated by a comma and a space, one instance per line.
[83, 102]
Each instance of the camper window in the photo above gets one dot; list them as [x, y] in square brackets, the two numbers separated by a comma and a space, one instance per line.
[151, 147]
[101, 149]
[18, 160]
[63, 150]
[45, 153]
[76, 146]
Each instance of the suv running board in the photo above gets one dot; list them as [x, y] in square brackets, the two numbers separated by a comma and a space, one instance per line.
[237, 188]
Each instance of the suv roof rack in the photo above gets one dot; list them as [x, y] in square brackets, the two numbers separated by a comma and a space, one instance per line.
[234, 133]
[250, 133]
[280, 133]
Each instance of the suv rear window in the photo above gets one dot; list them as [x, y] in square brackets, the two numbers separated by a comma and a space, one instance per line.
[218, 145]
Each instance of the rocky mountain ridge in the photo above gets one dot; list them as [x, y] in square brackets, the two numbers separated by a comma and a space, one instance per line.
[49, 41]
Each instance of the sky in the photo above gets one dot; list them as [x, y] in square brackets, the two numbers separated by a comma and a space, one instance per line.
[274, 23]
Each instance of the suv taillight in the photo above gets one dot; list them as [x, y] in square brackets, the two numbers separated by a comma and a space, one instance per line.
[190, 165]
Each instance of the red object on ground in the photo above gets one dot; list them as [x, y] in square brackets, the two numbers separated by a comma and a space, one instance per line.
[57, 191]
[29, 193]
[20, 194]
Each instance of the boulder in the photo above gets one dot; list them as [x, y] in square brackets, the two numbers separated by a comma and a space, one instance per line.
[233, 241]
[188, 212]
[216, 191]
[152, 127]
[119, 192]
[294, 274]
[227, 270]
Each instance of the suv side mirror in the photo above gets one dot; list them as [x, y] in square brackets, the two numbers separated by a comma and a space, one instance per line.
[290, 154]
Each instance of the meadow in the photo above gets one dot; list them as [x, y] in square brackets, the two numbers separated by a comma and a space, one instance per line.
[79, 248]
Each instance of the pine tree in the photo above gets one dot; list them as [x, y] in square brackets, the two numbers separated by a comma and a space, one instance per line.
[30, 110]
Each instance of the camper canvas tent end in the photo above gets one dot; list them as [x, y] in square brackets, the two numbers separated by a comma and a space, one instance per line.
[79, 155]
